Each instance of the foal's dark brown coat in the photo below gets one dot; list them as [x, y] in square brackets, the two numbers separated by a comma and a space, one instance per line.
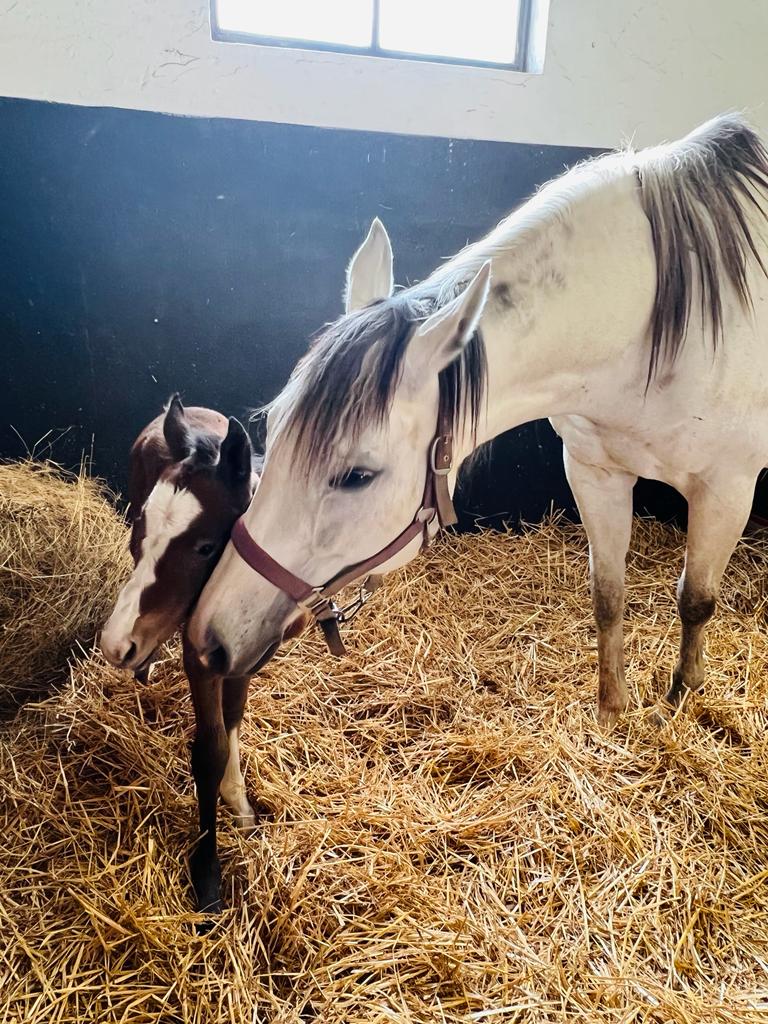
[198, 450]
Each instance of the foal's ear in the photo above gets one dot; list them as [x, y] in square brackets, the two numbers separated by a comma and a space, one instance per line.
[176, 431]
[369, 275]
[235, 454]
[441, 337]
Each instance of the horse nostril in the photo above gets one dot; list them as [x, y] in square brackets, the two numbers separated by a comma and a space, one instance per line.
[129, 653]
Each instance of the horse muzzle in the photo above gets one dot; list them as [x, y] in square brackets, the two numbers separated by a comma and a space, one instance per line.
[127, 652]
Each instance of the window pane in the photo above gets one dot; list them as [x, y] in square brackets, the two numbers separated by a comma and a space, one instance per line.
[481, 30]
[345, 22]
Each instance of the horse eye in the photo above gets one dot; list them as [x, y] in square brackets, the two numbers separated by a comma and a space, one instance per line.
[205, 550]
[353, 479]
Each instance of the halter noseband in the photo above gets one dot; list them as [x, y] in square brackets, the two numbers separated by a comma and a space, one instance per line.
[435, 504]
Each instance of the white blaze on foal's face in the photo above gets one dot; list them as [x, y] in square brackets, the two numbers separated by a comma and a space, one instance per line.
[167, 514]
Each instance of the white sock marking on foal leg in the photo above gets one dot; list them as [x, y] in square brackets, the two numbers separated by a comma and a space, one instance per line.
[232, 787]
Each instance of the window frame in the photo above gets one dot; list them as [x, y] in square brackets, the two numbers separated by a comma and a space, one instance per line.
[521, 63]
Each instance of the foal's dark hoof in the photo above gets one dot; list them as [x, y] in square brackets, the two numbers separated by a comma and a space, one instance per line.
[206, 881]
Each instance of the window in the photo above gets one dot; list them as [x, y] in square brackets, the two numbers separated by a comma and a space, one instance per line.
[489, 33]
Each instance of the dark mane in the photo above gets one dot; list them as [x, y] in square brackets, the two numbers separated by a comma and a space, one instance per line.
[696, 195]
[349, 376]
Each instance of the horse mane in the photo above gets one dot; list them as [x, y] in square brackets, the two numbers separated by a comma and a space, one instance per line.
[696, 194]
[349, 376]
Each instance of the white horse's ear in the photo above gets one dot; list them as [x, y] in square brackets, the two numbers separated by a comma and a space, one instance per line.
[369, 275]
[442, 336]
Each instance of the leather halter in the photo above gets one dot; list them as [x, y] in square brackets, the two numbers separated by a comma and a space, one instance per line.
[435, 504]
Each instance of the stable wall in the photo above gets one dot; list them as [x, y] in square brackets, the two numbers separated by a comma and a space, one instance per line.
[614, 69]
[142, 253]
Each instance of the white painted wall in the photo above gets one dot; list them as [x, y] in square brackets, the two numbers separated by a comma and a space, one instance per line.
[614, 68]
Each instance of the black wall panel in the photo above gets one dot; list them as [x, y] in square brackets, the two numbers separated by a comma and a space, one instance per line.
[142, 253]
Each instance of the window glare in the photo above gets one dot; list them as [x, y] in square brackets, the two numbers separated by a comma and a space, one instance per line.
[481, 30]
[343, 22]
[484, 30]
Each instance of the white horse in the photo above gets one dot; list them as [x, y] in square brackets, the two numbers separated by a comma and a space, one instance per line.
[627, 301]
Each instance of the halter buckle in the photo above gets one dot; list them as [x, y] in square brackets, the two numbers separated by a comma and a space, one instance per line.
[323, 608]
[317, 603]
[349, 611]
[441, 455]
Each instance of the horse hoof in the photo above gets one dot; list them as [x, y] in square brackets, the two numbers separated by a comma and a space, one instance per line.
[206, 882]
[661, 716]
[206, 926]
[607, 718]
[680, 690]
[672, 703]
[676, 694]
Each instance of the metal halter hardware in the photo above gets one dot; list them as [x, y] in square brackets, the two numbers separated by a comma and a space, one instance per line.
[435, 504]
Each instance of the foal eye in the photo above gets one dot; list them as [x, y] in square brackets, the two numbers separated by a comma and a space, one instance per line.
[353, 479]
[205, 550]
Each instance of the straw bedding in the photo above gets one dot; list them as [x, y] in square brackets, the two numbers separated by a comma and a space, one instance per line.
[447, 835]
[63, 554]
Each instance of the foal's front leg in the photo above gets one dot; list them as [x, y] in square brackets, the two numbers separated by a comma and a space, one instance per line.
[219, 705]
[210, 752]
[604, 500]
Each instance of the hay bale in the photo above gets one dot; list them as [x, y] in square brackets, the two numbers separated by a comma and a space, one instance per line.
[63, 555]
[447, 836]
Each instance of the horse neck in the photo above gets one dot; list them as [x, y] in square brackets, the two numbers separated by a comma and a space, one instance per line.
[568, 308]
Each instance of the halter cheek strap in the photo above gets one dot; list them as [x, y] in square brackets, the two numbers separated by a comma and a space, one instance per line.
[436, 504]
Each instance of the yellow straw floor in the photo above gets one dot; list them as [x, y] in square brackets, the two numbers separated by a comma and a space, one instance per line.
[447, 835]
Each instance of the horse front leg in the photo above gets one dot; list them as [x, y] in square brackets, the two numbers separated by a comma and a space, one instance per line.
[233, 785]
[604, 500]
[210, 753]
[718, 510]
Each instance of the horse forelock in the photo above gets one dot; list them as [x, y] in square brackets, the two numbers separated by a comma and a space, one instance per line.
[348, 378]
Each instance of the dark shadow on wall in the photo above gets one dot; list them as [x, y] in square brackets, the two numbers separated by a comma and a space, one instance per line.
[142, 254]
